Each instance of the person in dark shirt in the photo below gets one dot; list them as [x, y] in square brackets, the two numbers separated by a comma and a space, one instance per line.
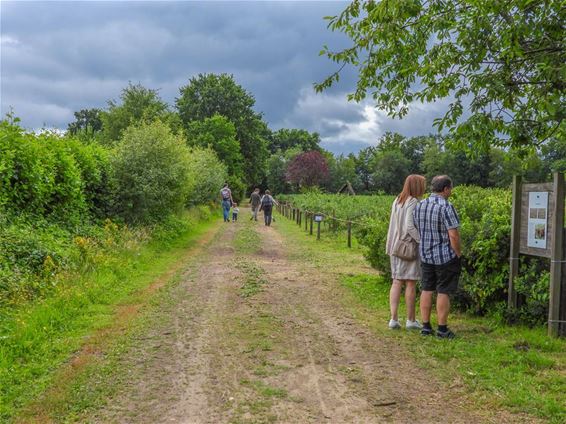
[437, 222]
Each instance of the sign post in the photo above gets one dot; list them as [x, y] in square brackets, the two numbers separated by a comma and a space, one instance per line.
[537, 229]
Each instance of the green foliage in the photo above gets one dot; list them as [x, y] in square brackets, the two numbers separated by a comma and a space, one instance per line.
[285, 139]
[210, 94]
[219, 134]
[503, 62]
[39, 174]
[206, 176]
[138, 104]
[150, 173]
[87, 121]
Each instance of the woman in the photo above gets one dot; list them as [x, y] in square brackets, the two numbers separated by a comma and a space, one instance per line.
[404, 272]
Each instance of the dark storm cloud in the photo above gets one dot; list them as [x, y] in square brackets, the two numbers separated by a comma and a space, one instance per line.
[59, 57]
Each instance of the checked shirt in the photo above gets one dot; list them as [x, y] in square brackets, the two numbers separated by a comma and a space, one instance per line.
[433, 217]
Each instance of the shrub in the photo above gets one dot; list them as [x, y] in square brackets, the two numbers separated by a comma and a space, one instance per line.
[39, 175]
[206, 176]
[150, 173]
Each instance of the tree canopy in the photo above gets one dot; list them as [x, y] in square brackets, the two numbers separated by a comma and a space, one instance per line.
[500, 63]
[138, 103]
[210, 94]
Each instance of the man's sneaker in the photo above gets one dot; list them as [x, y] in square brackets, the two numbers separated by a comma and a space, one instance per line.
[394, 325]
[448, 334]
[413, 325]
[427, 331]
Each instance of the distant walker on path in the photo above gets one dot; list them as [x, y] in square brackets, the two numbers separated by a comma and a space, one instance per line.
[267, 203]
[255, 202]
[227, 201]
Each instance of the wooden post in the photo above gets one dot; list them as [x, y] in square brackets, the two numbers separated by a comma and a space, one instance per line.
[562, 312]
[515, 241]
[312, 217]
[349, 233]
[556, 255]
[306, 219]
[318, 230]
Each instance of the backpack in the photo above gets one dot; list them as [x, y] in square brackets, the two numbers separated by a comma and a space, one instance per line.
[225, 193]
[267, 200]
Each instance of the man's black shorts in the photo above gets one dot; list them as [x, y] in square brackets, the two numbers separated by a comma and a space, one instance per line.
[441, 278]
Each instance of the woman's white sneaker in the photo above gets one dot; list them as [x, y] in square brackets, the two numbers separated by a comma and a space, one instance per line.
[394, 325]
[413, 325]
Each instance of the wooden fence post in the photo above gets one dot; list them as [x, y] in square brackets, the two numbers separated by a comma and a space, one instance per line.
[557, 256]
[306, 219]
[515, 242]
[318, 230]
[349, 233]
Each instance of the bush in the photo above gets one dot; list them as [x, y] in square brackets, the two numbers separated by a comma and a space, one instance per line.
[150, 173]
[39, 175]
[206, 176]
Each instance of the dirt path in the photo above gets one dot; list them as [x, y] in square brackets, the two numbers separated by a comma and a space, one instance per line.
[254, 336]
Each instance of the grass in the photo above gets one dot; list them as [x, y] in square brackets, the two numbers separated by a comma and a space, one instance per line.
[517, 368]
[42, 336]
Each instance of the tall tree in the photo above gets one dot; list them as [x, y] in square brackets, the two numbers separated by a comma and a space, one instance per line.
[137, 104]
[86, 121]
[284, 139]
[210, 94]
[501, 62]
[219, 134]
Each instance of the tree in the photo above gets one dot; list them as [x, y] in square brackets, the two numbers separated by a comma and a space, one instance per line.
[284, 139]
[86, 121]
[206, 174]
[390, 168]
[210, 94]
[363, 167]
[502, 63]
[308, 169]
[219, 134]
[138, 104]
[150, 173]
[342, 169]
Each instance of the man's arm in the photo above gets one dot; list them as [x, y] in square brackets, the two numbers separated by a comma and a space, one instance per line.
[454, 235]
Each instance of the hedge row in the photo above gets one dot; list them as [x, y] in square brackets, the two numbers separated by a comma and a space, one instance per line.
[64, 203]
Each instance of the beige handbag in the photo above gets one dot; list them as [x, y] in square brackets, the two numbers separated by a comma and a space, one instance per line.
[405, 247]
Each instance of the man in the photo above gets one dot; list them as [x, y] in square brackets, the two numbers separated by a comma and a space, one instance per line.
[440, 253]
[255, 200]
[227, 201]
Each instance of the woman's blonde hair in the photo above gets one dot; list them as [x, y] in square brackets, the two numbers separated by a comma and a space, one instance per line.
[414, 187]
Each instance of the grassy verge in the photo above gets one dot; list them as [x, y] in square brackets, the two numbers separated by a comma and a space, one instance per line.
[87, 310]
[517, 368]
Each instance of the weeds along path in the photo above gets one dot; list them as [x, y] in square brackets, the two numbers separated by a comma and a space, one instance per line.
[253, 335]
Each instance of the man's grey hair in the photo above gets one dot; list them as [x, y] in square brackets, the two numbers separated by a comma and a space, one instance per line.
[439, 183]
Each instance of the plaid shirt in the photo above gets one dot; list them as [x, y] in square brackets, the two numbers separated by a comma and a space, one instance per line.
[433, 217]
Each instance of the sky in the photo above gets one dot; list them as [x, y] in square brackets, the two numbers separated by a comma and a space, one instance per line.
[61, 57]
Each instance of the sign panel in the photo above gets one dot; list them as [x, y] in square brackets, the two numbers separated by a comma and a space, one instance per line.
[318, 218]
[537, 229]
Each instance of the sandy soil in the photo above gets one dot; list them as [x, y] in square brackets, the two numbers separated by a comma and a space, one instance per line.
[289, 353]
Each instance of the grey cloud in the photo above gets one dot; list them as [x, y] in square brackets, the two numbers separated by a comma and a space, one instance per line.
[59, 57]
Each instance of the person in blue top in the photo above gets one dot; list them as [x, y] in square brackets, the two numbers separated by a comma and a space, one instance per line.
[438, 225]
[226, 195]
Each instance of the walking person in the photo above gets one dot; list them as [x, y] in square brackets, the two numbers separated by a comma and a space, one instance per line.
[440, 253]
[227, 201]
[267, 202]
[405, 271]
[255, 201]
